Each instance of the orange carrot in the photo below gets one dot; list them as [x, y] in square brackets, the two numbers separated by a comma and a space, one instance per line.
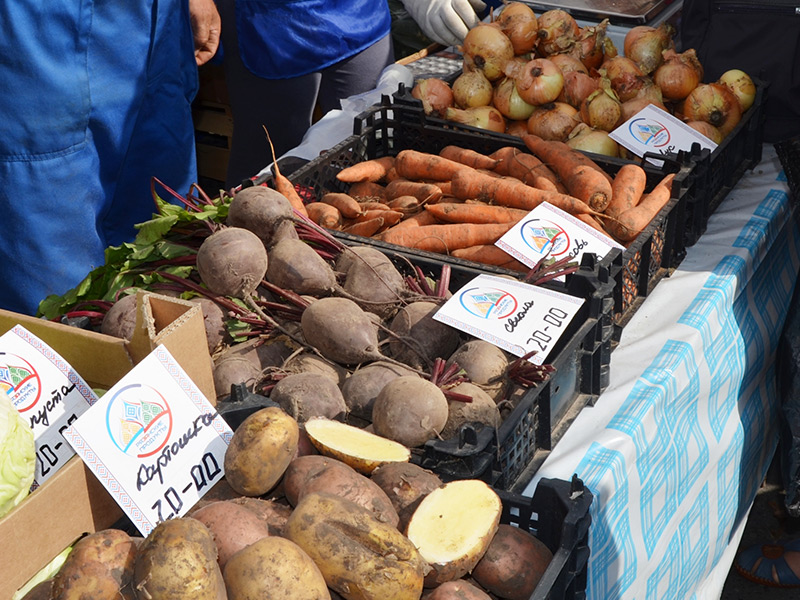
[405, 204]
[390, 217]
[417, 220]
[367, 170]
[582, 177]
[474, 213]
[367, 189]
[526, 167]
[445, 238]
[446, 187]
[626, 189]
[424, 192]
[489, 254]
[374, 206]
[415, 165]
[468, 157]
[365, 228]
[634, 220]
[324, 215]
[591, 221]
[344, 203]
[283, 185]
[512, 193]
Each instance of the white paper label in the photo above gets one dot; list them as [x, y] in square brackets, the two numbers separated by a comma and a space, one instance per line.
[655, 130]
[548, 232]
[48, 393]
[154, 441]
[512, 315]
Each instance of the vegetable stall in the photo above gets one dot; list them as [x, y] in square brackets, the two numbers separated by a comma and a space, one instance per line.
[365, 431]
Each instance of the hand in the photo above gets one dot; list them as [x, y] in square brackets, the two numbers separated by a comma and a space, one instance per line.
[445, 21]
[206, 25]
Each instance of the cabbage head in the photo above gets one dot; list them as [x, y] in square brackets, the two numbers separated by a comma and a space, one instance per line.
[17, 456]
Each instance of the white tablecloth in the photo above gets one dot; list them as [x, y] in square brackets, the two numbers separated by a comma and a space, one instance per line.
[676, 447]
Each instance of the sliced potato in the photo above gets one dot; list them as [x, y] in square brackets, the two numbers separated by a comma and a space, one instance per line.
[453, 526]
[362, 450]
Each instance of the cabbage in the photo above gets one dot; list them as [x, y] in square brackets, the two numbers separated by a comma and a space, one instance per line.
[17, 456]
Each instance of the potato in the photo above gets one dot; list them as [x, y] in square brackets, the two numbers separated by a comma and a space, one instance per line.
[99, 566]
[513, 563]
[406, 484]
[360, 557]
[453, 526]
[275, 568]
[298, 473]
[456, 590]
[178, 559]
[271, 513]
[260, 450]
[233, 527]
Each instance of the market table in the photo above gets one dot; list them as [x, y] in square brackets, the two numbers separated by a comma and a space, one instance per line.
[676, 447]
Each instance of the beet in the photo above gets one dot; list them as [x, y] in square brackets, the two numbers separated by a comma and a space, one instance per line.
[120, 320]
[423, 339]
[362, 387]
[340, 331]
[259, 209]
[371, 280]
[232, 262]
[307, 395]
[296, 266]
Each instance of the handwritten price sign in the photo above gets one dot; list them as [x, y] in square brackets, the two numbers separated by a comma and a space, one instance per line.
[154, 441]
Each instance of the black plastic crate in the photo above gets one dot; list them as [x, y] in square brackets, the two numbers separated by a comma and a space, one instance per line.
[558, 514]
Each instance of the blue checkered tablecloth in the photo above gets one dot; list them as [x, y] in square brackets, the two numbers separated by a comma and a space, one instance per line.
[677, 446]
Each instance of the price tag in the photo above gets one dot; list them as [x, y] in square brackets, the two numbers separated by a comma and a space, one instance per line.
[551, 233]
[512, 315]
[47, 392]
[655, 130]
[154, 441]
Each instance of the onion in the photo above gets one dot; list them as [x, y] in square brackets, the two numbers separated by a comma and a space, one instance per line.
[707, 129]
[517, 128]
[486, 48]
[435, 95]
[553, 121]
[589, 47]
[577, 87]
[568, 63]
[597, 141]
[713, 103]
[540, 81]
[507, 100]
[471, 88]
[741, 85]
[601, 109]
[482, 117]
[644, 45]
[625, 76]
[650, 94]
[679, 74]
[558, 31]
[519, 23]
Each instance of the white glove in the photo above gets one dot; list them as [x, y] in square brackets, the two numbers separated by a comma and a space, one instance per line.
[445, 21]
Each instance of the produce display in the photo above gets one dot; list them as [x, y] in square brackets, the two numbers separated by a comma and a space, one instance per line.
[17, 456]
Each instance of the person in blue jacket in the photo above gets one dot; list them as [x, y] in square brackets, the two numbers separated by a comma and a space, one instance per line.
[285, 58]
[96, 100]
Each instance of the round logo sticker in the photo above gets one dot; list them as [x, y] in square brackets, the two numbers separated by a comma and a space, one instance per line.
[545, 237]
[139, 420]
[488, 303]
[649, 132]
[20, 381]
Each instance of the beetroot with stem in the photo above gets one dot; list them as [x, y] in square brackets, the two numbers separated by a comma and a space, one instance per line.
[232, 262]
[259, 209]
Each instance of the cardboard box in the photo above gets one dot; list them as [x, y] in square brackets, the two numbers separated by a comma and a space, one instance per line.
[73, 502]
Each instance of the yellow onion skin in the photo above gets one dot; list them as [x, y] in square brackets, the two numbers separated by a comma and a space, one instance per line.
[577, 87]
[714, 103]
[540, 81]
[517, 128]
[507, 100]
[679, 74]
[519, 23]
[596, 141]
[624, 75]
[707, 129]
[645, 45]
[601, 110]
[482, 117]
[435, 95]
[647, 95]
[558, 31]
[471, 88]
[589, 47]
[486, 48]
[553, 121]
[741, 85]
[568, 63]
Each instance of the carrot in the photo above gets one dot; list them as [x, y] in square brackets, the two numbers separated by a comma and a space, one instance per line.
[526, 167]
[391, 175]
[582, 177]
[634, 220]
[324, 215]
[374, 206]
[415, 165]
[424, 192]
[405, 204]
[489, 254]
[474, 213]
[365, 228]
[512, 193]
[417, 220]
[367, 189]
[626, 189]
[445, 238]
[592, 222]
[390, 217]
[468, 157]
[344, 203]
[373, 170]
[446, 187]
[282, 184]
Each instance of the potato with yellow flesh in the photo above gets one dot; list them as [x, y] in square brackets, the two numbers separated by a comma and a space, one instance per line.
[453, 526]
[99, 566]
[178, 560]
[260, 450]
[456, 590]
[406, 484]
[362, 450]
[360, 557]
[274, 567]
